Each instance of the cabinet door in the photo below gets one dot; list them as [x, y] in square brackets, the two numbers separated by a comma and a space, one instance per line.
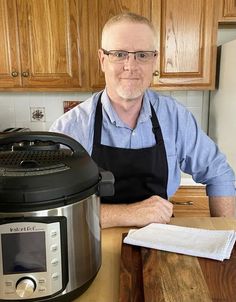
[51, 43]
[227, 11]
[9, 54]
[99, 12]
[187, 43]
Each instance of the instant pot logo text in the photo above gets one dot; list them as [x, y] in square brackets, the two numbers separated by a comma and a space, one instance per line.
[22, 229]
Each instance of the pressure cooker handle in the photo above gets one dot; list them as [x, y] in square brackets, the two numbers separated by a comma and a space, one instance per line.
[42, 136]
[106, 185]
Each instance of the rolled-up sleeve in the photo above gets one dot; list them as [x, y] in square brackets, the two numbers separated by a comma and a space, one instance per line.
[201, 158]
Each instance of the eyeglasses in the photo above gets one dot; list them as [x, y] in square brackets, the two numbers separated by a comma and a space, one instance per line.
[119, 56]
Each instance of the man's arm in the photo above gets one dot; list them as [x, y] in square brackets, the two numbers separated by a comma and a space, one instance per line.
[222, 206]
[139, 214]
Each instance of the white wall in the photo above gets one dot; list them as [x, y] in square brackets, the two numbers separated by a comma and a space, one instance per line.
[222, 124]
[16, 108]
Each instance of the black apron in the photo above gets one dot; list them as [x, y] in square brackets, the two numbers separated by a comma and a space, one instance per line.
[139, 173]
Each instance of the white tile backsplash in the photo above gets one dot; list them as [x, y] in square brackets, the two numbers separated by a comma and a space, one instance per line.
[22, 110]
[194, 99]
[7, 113]
[180, 96]
[15, 107]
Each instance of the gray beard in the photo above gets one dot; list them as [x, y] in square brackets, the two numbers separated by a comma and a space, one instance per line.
[129, 94]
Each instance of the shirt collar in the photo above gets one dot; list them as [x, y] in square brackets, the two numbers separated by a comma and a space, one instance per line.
[144, 115]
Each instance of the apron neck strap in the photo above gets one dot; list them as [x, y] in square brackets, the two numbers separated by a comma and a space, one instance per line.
[156, 126]
[98, 124]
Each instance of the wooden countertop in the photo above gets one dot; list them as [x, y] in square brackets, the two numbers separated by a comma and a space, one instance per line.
[105, 287]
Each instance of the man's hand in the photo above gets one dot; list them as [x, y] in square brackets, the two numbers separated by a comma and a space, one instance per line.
[139, 214]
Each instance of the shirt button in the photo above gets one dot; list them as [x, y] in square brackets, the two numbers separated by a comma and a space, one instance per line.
[133, 133]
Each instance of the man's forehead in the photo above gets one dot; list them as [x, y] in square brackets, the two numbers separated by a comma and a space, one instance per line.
[126, 33]
[122, 25]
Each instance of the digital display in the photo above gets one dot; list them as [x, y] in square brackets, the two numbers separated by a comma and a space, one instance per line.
[23, 253]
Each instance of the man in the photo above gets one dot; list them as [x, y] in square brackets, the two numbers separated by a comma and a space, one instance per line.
[144, 138]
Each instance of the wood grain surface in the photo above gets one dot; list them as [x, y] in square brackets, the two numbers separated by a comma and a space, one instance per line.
[148, 275]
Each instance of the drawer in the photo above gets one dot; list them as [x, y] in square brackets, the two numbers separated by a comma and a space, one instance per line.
[191, 201]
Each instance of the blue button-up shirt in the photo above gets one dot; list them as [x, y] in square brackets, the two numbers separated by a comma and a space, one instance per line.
[188, 148]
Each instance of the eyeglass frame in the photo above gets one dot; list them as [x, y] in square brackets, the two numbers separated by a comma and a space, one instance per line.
[108, 52]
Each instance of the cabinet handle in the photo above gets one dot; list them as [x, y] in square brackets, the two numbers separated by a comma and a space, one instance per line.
[156, 73]
[182, 203]
[14, 74]
[25, 74]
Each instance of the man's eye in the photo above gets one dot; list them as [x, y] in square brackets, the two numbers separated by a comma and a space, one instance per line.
[142, 55]
[120, 54]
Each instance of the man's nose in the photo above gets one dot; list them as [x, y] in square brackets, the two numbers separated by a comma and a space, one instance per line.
[131, 61]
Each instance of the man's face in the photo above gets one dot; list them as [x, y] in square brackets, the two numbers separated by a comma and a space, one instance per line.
[130, 78]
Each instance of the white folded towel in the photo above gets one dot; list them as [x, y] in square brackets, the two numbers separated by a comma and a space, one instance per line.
[211, 244]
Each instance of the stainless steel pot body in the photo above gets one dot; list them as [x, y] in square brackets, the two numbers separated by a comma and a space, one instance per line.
[83, 238]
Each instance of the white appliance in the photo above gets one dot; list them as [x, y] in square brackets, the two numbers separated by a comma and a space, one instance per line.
[222, 113]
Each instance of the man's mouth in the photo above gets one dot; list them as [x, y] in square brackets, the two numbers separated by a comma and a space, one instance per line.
[130, 79]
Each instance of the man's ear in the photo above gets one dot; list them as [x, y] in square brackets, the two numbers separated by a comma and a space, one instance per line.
[101, 58]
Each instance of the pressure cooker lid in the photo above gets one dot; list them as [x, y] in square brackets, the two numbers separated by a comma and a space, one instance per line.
[36, 177]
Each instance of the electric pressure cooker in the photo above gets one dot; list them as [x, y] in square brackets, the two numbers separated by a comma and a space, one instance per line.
[50, 244]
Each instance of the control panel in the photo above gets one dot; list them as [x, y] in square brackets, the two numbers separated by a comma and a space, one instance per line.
[30, 260]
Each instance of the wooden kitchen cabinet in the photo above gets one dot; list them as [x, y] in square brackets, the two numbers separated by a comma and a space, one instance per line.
[227, 11]
[53, 44]
[186, 30]
[9, 54]
[187, 33]
[42, 44]
[191, 201]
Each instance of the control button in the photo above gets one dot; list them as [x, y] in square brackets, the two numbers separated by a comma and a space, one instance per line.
[9, 290]
[53, 233]
[9, 287]
[55, 276]
[9, 283]
[54, 248]
[42, 281]
[25, 287]
[54, 262]
[42, 289]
